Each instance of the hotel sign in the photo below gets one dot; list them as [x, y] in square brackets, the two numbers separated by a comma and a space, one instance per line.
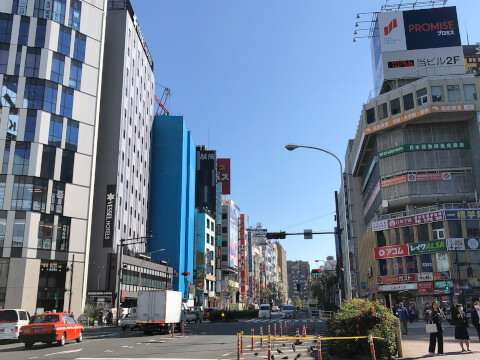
[109, 226]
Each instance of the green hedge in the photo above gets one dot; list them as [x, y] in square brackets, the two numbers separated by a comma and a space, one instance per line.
[232, 315]
[360, 317]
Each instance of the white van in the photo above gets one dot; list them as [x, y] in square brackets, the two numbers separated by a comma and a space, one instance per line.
[265, 311]
[11, 320]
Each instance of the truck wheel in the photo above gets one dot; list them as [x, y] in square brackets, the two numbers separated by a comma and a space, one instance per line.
[147, 332]
[124, 328]
[28, 345]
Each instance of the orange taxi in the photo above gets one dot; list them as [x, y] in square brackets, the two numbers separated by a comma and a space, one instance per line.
[49, 328]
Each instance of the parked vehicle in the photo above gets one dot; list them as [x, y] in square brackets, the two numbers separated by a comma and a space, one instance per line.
[275, 308]
[129, 321]
[193, 315]
[265, 311]
[288, 311]
[157, 310]
[11, 320]
[50, 327]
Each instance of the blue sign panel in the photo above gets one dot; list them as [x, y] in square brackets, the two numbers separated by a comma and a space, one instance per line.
[431, 28]
[462, 214]
[363, 285]
[426, 263]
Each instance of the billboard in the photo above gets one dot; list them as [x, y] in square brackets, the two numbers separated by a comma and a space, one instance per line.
[223, 175]
[109, 226]
[205, 179]
[419, 219]
[416, 43]
[471, 54]
[233, 237]
[386, 252]
[242, 254]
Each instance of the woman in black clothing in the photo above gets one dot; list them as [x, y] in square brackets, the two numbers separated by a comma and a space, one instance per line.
[461, 325]
[436, 316]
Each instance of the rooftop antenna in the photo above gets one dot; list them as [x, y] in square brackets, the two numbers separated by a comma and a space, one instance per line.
[466, 29]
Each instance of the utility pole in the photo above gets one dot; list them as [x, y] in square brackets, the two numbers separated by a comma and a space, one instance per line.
[340, 272]
[71, 283]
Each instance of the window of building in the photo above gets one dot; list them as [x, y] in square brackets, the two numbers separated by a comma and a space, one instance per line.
[398, 268]
[382, 111]
[23, 31]
[79, 47]
[40, 190]
[438, 231]
[455, 229]
[6, 156]
[42, 11]
[48, 162]
[9, 91]
[75, 13]
[442, 261]
[21, 158]
[33, 95]
[422, 97]
[470, 92]
[71, 140]
[412, 267]
[56, 130]
[40, 33]
[395, 106]
[19, 7]
[12, 128]
[4, 50]
[18, 60]
[472, 228]
[58, 197]
[422, 232]
[370, 113]
[437, 94]
[45, 232]
[66, 104]
[6, 21]
[453, 93]
[58, 66]
[66, 173]
[75, 74]
[474, 259]
[3, 228]
[50, 97]
[59, 7]
[383, 267]
[381, 241]
[22, 193]
[64, 39]
[408, 235]
[63, 233]
[3, 180]
[426, 263]
[18, 229]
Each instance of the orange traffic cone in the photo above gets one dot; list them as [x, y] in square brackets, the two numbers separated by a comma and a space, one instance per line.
[304, 331]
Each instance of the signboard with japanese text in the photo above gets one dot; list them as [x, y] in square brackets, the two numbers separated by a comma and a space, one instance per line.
[425, 288]
[250, 265]
[392, 279]
[441, 284]
[427, 247]
[424, 218]
[402, 179]
[241, 254]
[440, 176]
[223, 175]
[233, 237]
[398, 287]
[472, 58]
[372, 198]
[463, 244]
[462, 214]
[453, 145]
[386, 252]
[258, 232]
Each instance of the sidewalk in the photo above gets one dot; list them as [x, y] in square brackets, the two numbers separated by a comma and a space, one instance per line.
[415, 344]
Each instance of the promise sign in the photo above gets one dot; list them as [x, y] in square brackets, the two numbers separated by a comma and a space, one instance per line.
[109, 216]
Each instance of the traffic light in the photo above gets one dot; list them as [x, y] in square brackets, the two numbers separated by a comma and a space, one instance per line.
[447, 287]
[316, 272]
[276, 235]
[185, 274]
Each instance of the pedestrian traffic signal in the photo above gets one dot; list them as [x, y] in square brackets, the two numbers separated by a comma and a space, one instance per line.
[447, 287]
[185, 274]
[316, 272]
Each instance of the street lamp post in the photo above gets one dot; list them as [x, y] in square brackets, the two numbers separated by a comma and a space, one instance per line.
[344, 244]
[141, 266]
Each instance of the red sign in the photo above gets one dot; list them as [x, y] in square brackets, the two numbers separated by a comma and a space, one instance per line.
[223, 175]
[430, 176]
[425, 288]
[241, 254]
[424, 218]
[393, 279]
[386, 252]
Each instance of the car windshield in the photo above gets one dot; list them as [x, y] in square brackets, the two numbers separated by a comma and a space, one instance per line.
[264, 307]
[44, 319]
[8, 315]
[288, 307]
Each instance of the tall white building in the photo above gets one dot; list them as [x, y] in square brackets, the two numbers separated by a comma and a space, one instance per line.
[50, 75]
[123, 166]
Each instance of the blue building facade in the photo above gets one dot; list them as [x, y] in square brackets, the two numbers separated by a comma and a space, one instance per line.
[172, 197]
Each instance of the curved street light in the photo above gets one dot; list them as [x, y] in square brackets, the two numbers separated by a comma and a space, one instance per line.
[345, 257]
[145, 257]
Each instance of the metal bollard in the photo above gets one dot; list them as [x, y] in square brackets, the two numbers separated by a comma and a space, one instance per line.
[281, 333]
[274, 330]
[198, 327]
[372, 346]
[261, 336]
[182, 325]
[253, 340]
[269, 347]
[173, 330]
[238, 346]
[241, 343]
[319, 348]
[269, 330]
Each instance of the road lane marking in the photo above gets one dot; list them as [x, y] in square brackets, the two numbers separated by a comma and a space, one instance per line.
[64, 352]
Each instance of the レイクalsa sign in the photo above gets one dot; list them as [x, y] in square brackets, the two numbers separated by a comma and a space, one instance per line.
[109, 227]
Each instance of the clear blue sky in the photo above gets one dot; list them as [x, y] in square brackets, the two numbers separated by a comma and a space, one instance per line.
[252, 76]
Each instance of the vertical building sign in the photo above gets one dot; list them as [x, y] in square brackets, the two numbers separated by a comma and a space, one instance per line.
[109, 216]
[250, 264]
[233, 238]
[223, 175]
[241, 254]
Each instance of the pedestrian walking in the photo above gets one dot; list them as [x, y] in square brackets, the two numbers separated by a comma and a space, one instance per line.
[425, 312]
[436, 316]
[461, 325]
[476, 317]
[402, 314]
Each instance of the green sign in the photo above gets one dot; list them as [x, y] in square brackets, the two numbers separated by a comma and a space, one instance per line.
[424, 147]
[427, 247]
[441, 284]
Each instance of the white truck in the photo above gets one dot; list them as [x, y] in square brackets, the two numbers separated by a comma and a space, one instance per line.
[158, 310]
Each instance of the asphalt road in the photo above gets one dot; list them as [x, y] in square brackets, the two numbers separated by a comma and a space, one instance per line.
[211, 341]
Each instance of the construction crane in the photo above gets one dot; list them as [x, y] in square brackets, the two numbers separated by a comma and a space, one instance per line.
[162, 101]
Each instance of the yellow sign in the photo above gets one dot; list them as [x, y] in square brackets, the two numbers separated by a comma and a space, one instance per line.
[416, 114]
